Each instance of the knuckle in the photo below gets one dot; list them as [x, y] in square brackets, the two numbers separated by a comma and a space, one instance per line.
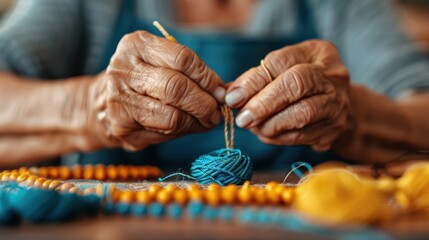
[175, 88]
[296, 138]
[305, 113]
[294, 81]
[185, 58]
[173, 123]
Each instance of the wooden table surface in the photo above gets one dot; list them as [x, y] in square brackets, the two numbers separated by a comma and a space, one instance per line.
[120, 227]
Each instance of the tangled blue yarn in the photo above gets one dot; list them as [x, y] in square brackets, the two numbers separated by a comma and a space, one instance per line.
[223, 166]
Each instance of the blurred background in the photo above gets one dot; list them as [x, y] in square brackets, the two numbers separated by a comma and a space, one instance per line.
[413, 16]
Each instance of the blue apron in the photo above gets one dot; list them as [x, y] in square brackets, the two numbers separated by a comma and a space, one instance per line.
[229, 55]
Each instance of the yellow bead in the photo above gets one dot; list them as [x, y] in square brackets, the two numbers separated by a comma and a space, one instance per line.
[23, 170]
[14, 176]
[196, 195]
[112, 173]
[122, 172]
[73, 190]
[180, 196]
[133, 172]
[193, 186]
[39, 182]
[171, 187]
[271, 185]
[65, 173]
[229, 194]
[21, 178]
[46, 183]
[100, 172]
[154, 188]
[244, 196]
[77, 172]
[6, 176]
[386, 184]
[54, 184]
[88, 172]
[54, 172]
[273, 197]
[126, 196]
[246, 185]
[30, 181]
[213, 197]
[163, 196]
[65, 187]
[287, 195]
[144, 197]
[99, 188]
[213, 187]
[260, 196]
[89, 191]
[43, 172]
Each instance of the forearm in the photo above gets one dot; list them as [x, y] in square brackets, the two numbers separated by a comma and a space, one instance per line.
[381, 129]
[43, 119]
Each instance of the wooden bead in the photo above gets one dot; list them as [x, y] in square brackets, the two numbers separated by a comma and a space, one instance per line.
[74, 190]
[39, 182]
[144, 197]
[260, 196]
[193, 187]
[21, 178]
[213, 187]
[270, 185]
[89, 191]
[171, 187]
[273, 197]
[54, 184]
[88, 172]
[99, 188]
[30, 181]
[164, 196]
[287, 195]
[100, 172]
[143, 173]
[154, 172]
[180, 196]
[46, 183]
[229, 194]
[244, 196]
[154, 189]
[65, 187]
[246, 185]
[23, 170]
[196, 195]
[213, 197]
[133, 173]
[122, 172]
[6, 176]
[43, 172]
[14, 176]
[112, 173]
[65, 173]
[77, 172]
[127, 196]
[54, 172]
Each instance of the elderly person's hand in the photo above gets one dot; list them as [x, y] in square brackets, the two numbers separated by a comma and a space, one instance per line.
[306, 103]
[154, 90]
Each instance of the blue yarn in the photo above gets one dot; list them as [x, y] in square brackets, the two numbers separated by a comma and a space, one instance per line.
[224, 166]
[175, 211]
[210, 213]
[91, 203]
[195, 209]
[298, 172]
[109, 208]
[68, 206]
[138, 209]
[156, 210]
[123, 208]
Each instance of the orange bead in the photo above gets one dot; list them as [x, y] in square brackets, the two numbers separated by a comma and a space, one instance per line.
[21, 178]
[154, 188]
[14, 176]
[53, 172]
[143, 173]
[270, 185]
[273, 197]
[89, 191]
[229, 194]
[46, 183]
[65, 173]
[65, 187]
[244, 196]
[133, 172]
[164, 196]
[127, 196]
[23, 170]
[77, 172]
[180, 196]
[100, 172]
[171, 187]
[122, 172]
[30, 181]
[213, 197]
[43, 172]
[74, 190]
[54, 184]
[154, 172]
[260, 196]
[39, 182]
[88, 172]
[112, 173]
[213, 187]
[287, 195]
[193, 186]
[196, 195]
[246, 185]
[6, 176]
[144, 197]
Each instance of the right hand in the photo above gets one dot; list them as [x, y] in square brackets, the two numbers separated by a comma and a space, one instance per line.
[152, 91]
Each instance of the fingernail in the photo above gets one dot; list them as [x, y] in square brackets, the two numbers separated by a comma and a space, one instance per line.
[235, 97]
[216, 118]
[245, 118]
[219, 94]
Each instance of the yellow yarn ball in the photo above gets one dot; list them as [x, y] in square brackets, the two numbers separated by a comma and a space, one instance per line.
[339, 196]
[413, 188]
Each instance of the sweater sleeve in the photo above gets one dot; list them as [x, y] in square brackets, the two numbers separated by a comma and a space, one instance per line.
[42, 39]
[371, 44]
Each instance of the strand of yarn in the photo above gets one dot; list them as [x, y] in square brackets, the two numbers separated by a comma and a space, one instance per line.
[224, 166]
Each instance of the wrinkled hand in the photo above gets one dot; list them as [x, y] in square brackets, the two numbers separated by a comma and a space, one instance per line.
[307, 102]
[155, 90]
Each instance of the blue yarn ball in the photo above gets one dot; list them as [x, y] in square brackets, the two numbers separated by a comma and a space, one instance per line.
[223, 166]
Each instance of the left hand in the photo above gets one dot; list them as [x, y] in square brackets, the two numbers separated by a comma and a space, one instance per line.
[307, 103]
